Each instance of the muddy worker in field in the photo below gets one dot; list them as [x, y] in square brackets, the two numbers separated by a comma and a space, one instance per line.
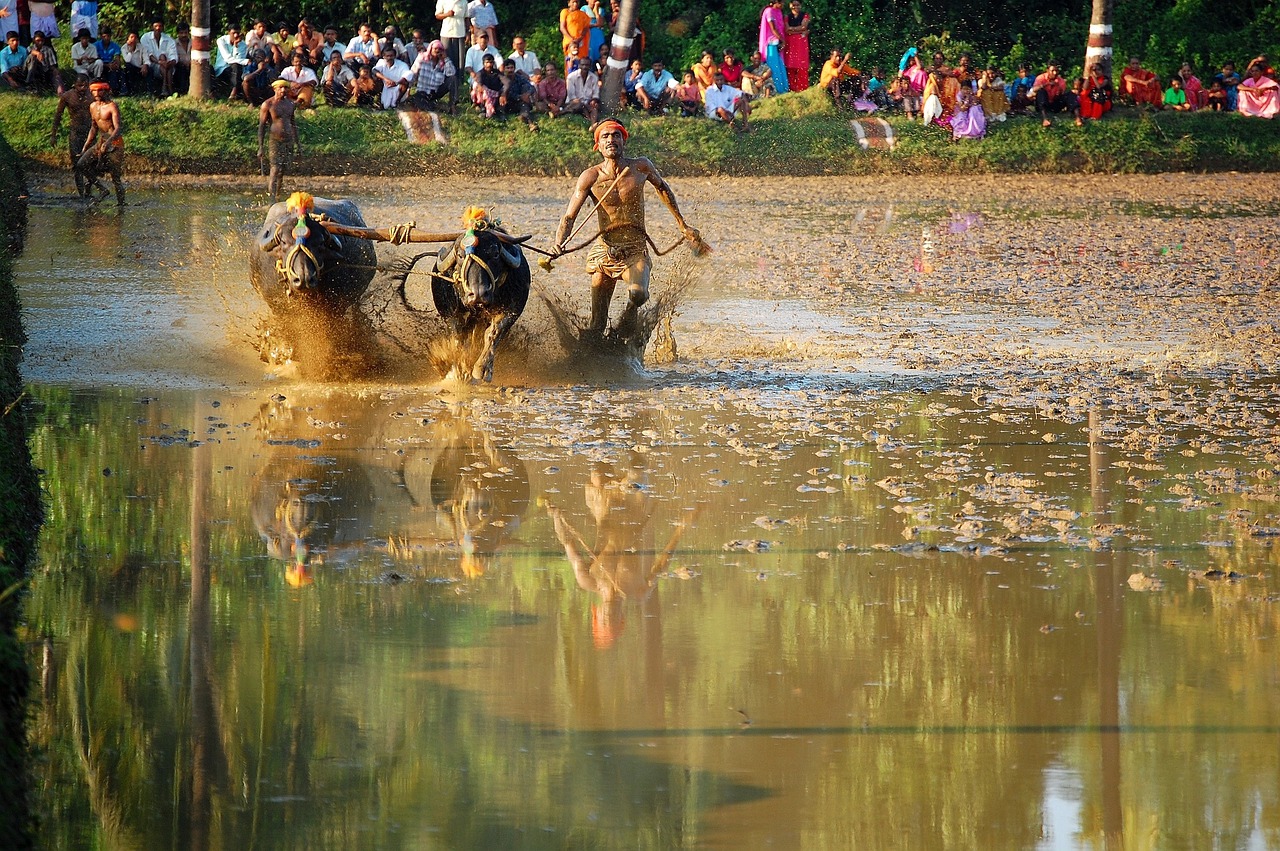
[75, 102]
[616, 187]
[103, 151]
[278, 113]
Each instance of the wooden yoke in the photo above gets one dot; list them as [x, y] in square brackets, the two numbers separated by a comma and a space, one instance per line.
[396, 234]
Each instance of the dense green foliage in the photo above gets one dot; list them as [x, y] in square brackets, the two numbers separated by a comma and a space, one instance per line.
[1164, 32]
[19, 514]
[794, 134]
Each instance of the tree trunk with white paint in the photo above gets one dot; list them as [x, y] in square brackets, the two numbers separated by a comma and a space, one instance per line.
[619, 56]
[201, 79]
[1098, 50]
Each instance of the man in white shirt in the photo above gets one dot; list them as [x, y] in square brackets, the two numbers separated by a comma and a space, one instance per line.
[231, 60]
[302, 81]
[160, 56]
[476, 54]
[452, 15]
[259, 39]
[84, 56]
[394, 76]
[582, 92]
[337, 81]
[134, 58]
[725, 103]
[483, 20]
[526, 60]
[330, 45]
[362, 50]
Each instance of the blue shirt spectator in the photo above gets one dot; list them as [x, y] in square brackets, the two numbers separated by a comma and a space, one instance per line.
[13, 56]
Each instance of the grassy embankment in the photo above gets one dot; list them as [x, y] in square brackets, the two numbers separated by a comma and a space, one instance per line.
[19, 514]
[798, 134]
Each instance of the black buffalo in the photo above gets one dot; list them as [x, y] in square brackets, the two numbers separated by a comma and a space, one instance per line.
[480, 285]
[304, 266]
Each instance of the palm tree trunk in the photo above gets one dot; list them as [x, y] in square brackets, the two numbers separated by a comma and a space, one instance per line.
[1098, 50]
[619, 54]
[200, 43]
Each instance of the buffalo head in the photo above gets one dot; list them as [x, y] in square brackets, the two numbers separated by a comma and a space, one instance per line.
[478, 263]
[302, 248]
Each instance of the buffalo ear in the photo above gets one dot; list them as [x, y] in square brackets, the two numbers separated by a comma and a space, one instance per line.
[445, 259]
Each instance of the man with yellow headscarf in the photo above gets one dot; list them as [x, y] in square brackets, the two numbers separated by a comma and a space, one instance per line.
[277, 113]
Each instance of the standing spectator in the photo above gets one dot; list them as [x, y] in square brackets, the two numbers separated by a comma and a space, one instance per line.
[231, 60]
[795, 52]
[757, 77]
[42, 64]
[772, 34]
[656, 88]
[362, 49]
[732, 69]
[689, 95]
[112, 60]
[160, 54]
[582, 92]
[84, 16]
[551, 91]
[516, 96]
[575, 40]
[182, 72]
[483, 19]
[1140, 85]
[452, 15]
[301, 79]
[85, 62]
[337, 81]
[726, 103]
[13, 60]
[596, 30]
[435, 76]
[8, 18]
[394, 76]
[526, 60]
[1051, 95]
[1229, 80]
[43, 19]
[330, 46]
[636, 51]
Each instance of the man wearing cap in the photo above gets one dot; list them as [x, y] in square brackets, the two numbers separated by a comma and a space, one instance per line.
[277, 112]
[103, 151]
[617, 187]
[75, 102]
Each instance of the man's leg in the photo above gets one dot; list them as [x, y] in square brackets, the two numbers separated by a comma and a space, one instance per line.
[636, 277]
[1042, 106]
[275, 178]
[115, 164]
[601, 294]
[76, 145]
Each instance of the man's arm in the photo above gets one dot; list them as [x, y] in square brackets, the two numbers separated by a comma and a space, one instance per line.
[650, 171]
[264, 117]
[57, 120]
[581, 192]
[93, 134]
[117, 127]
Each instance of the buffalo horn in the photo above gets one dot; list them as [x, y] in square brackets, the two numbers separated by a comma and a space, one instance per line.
[511, 255]
[508, 239]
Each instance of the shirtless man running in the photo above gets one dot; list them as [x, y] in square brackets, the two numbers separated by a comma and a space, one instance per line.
[75, 102]
[103, 151]
[622, 254]
[278, 111]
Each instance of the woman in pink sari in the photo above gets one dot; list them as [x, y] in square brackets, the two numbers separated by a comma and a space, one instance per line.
[1258, 94]
[795, 50]
[773, 33]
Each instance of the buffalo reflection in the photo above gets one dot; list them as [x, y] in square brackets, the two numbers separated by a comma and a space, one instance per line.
[623, 567]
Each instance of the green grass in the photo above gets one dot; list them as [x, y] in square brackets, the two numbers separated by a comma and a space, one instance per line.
[796, 134]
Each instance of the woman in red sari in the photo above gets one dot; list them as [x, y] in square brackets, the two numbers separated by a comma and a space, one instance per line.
[1097, 94]
[795, 52]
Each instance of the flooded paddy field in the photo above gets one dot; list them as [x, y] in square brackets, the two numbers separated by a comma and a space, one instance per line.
[952, 524]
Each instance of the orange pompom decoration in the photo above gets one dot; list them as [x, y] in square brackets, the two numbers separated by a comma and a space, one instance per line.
[472, 215]
[301, 203]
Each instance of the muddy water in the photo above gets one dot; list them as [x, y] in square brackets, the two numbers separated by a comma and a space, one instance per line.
[965, 547]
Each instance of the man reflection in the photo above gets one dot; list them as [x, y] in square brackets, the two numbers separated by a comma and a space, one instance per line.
[623, 567]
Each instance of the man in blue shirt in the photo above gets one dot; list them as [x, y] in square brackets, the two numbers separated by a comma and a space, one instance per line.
[12, 60]
[656, 88]
[112, 63]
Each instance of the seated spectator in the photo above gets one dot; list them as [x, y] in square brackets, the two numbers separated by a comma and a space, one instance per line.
[1175, 98]
[526, 60]
[1258, 94]
[1051, 95]
[364, 88]
[991, 94]
[1097, 94]
[13, 62]
[966, 73]
[757, 77]
[301, 79]
[901, 96]
[256, 81]
[362, 49]
[704, 71]
[417, 45]
[1018, 91]
[840, 79]
[112, 60]
[134, 60]
[310, 42]
[477, 52]
[968, 121]
[551, 92]
[1192, 86]
[43, 20]
[1216, 97]
[689, 96]
[725, 103]
[337, 82]
[1229, 80]
[259, 39]
[84, 56]
[656, 88]
[582, 92]
[483, 19]
[875, 89]
[42, 64]
[160, 59]
[516, 97]
[940, 93]
[231, 56]
[282, 46]
[330, 46]
[390, 36]
[394, 76]
[182, 71]
[434, 76]
[1140, 85]
[629, 82]
[731, 66]
[84, 16]
[486, 86]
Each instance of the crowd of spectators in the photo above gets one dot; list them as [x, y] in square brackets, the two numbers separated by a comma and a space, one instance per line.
[464, 68]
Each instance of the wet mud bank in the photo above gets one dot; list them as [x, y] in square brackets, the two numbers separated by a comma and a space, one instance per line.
[19, 513]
